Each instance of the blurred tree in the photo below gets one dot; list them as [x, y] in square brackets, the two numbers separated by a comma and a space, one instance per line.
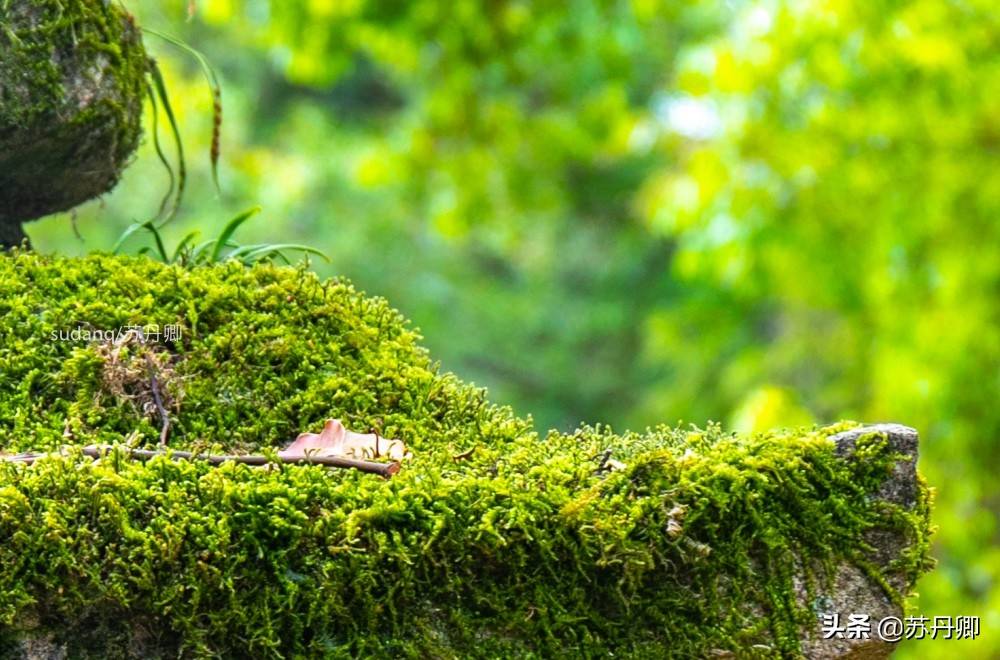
[847, 188]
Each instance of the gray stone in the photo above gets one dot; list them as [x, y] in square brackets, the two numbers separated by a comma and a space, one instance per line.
[72, 87]
[853, 592]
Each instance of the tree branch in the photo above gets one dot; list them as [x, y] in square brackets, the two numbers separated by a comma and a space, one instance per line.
[100, 451]
[158, 400]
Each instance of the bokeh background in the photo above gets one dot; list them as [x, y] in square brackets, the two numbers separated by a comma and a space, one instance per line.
[763, 213]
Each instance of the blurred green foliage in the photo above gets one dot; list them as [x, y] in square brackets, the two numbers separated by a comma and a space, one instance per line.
[764, 213]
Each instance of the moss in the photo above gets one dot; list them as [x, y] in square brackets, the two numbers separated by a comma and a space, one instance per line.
[72, 85]
[523, 549]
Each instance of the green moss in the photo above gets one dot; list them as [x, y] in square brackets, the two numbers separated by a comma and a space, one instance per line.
[42, 38]
[522, 549]
[72, 85]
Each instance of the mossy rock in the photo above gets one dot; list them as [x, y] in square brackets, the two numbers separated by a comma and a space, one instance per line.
[705, 543]
[72, 85]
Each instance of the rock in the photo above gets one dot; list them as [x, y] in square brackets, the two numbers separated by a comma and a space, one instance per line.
[706, 544]
[853, 591]
[72, 87]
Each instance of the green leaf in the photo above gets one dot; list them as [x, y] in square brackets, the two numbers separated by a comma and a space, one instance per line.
[263, 251]
[161, 90]
[125, 235]
[158, 241]
[159, 154]
[216, 88]
[229, 229]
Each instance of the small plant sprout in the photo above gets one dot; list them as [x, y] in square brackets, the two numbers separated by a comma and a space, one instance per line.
[216, 250]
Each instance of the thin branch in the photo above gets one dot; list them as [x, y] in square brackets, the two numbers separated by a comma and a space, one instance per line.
[99, 451]
[27, 458]
[605, 457]
[158, 400]
[464, 455]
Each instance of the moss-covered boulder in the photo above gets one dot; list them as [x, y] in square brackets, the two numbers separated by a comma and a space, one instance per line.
[492, 541]
[72, 85]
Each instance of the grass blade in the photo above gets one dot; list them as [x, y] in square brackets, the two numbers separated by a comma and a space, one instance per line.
[159, 153]
[161, 90]
[158, 240]
[264, 250]
[213, 84]
[199, 251]
[134, 227]
[229, 229]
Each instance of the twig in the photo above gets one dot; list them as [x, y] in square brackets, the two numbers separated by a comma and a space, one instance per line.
[605, 457]
[464, 455]
[164, 417]
[372, 467]
[607, 463]
[99, 451]
[27, 458]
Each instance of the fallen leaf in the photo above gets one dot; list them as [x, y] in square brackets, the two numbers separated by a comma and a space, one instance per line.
[336, 440]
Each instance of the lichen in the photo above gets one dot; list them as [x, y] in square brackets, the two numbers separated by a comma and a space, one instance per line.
[524, 548]
[72, 85]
